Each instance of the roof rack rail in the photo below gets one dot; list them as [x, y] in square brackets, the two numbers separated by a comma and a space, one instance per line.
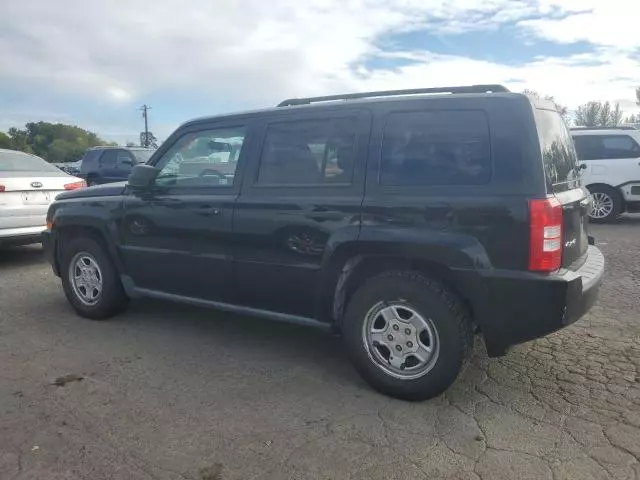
[392, 93]
[619, 127]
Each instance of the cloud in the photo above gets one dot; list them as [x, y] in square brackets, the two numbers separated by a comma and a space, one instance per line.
[611, 23]
[201, 56]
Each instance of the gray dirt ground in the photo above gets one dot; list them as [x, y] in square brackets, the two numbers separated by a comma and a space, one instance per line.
[171, 392]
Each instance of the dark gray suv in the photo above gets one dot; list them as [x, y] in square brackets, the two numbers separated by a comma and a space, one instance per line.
[111, 164]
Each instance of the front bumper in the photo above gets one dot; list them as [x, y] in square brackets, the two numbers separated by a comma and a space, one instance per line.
[49, 245]
[522, 306]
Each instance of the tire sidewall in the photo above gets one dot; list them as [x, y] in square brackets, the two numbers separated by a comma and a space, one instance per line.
[427, 302]
[112, 297]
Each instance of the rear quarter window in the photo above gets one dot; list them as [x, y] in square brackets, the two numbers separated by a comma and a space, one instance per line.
[558, 151]
[438, 147]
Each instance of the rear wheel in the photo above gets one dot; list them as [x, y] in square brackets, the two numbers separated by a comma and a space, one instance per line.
[606, 204]
[407, 335]
[89, 279]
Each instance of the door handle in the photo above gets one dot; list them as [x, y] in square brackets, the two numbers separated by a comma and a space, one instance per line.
[325, 216]
[210, 212]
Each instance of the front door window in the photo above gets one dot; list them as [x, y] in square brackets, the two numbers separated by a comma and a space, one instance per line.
[202, 159]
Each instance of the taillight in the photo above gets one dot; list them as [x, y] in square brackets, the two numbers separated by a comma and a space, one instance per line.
[545, 235]
[75, 185]
[2, 188]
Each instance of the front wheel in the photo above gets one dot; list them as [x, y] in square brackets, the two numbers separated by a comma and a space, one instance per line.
[407, 335]
[89, 279]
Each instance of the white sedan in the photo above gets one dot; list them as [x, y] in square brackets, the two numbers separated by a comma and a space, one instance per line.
[28, 184]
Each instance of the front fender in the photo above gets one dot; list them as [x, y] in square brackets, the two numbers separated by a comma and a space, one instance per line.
[99, 215]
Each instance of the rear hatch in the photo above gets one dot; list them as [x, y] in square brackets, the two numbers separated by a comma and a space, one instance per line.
[563, 181]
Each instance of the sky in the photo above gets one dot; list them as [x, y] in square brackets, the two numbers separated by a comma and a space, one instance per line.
[94, 63]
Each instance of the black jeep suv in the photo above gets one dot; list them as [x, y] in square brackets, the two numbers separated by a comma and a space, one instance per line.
[406, 220]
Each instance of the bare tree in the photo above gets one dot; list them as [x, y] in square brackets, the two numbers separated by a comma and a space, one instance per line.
[598, 114]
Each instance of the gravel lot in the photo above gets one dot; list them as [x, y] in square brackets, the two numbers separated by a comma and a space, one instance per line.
[169, 392]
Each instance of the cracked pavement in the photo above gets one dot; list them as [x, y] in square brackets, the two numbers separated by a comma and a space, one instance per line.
[170, 392]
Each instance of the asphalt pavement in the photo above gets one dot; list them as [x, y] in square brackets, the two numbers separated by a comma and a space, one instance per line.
[172, 392]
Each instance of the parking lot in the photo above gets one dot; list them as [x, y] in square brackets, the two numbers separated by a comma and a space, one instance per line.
[170, 392]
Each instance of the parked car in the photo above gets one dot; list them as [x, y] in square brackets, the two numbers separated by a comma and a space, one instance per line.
[405, 220]
[111, 164]
[610, 158]
[28, 184]
[72, 168]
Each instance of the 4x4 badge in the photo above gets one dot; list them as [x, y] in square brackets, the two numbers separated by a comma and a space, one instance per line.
[571, 243]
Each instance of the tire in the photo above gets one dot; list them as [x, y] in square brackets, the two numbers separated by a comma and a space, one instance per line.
[111, 299]
[407, 293]
[607, 204]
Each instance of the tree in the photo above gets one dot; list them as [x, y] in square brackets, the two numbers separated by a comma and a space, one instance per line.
[634, 118]
[148, 140]
[5, 140]
[55, 142]
[598, 114]
[560, 108]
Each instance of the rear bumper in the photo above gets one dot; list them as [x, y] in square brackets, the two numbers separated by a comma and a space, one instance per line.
[523, 306]
[21, 236]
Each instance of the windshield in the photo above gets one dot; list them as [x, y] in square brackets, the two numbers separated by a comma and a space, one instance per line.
[142, 156]
[558, 152]
[22, 162]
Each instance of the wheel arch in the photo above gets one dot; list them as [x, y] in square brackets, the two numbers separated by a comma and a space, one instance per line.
[68, 231]
[353, 264]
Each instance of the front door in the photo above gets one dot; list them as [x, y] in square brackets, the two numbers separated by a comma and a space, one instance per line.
[176, 236]
[610, 159]
[298, 202]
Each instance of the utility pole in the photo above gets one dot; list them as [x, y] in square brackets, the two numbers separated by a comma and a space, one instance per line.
[144, 109]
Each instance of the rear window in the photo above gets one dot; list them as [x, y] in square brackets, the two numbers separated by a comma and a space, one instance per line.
[558, 152]
[439, 147]
[21, 162]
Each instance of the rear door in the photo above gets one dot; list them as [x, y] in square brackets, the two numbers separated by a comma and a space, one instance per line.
[302, 196]
[562, 173]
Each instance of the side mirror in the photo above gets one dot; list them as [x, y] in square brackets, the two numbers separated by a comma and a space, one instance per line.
[143, 176]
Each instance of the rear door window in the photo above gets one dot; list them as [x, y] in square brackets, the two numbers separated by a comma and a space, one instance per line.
[439, 147]
[558, 151]
[309, 152]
